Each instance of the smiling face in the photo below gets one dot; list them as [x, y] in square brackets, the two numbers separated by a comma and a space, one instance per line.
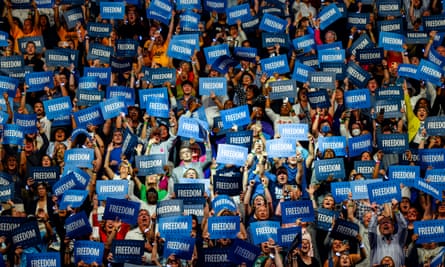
[328, 202]
[143, 219]
[422, 113]
[386, 226]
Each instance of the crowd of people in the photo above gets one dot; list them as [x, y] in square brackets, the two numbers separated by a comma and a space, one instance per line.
[188, 205]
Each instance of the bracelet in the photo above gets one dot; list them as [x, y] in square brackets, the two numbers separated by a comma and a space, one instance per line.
[351, 37]
[362, 245]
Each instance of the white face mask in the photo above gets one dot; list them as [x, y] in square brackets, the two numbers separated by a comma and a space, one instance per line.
[355, 132]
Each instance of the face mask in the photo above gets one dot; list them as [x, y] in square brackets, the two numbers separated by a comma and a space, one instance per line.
[356, 132]
[325, 129]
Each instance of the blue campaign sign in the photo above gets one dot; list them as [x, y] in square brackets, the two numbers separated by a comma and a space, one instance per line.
[282, 147]
[103, 74]
[190, 38]
[361, 43]
[357, 99]
[325, 217]
[382, 193]
[188, 4]
[216, 256]
[111, 188]
[223, 226]
[37, 40]
[89, 98]
[340, 191]
[393, 143]
[127, 251]
[3, 117]
[217, 85]
[88, 83]
[91, 115]
[417, 37]
[430, 72]
[3, 39]
[8, 224]
[230, 186]
[231, 154]
[58, 57]
[13, 134]
[344, 230]
[289, 236]
[391, 107]
[429, 231]
[322, 79]
[319, 98]
[407, 71]
[242, 252]
[359, 188]
[357, 75]
[328, 15]
[331, 46]
[65, 183]
[251, 25]
[434, 23]
[175, 226]
[305, 42]
[195, 209]
[158, 107]
[73, 198]
[6, 192]
[27, 235]
[113, 107]
[5, 178]
[389, 8]
[394, 25]
[336, 143]
[329, 168]
[261, 231]
[123, 209]
[199, 182]
[331, 56]
[238, 116]
[297, 210]
[126, 47]
[45, 174]
[272, 39]
[101, 52]
[358, 20]
[395, 93]
[238, 12]
[435, 177]
[73, 16]
[403, 174]
[215, 5]
[9, 85]
[190, 128]
[211, 53]
[359, 144]
[160, 11]
[283, 88]
[38, 80]
[77, 225]
[271, 23]
[150, 164]
[241, 138]
[100, 30]
[245, 53]
[82, 178]
[158, 76]
[112, 10]
[391, 41]
[47, 259]
[81, 157]
[370, 55]
[147, 94]
[188, 190]
[180, 246]
[222, 202]
[277, 64]
[121, 64]
[180, 50]
[432, 158]
[57, 107]
[171, 207]
[189, 21]
[295, 131]
[27, 122]
[88, 251]
[223, 63]
[301, 72]
[436, 58]
[422, 185]
[12, 63]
